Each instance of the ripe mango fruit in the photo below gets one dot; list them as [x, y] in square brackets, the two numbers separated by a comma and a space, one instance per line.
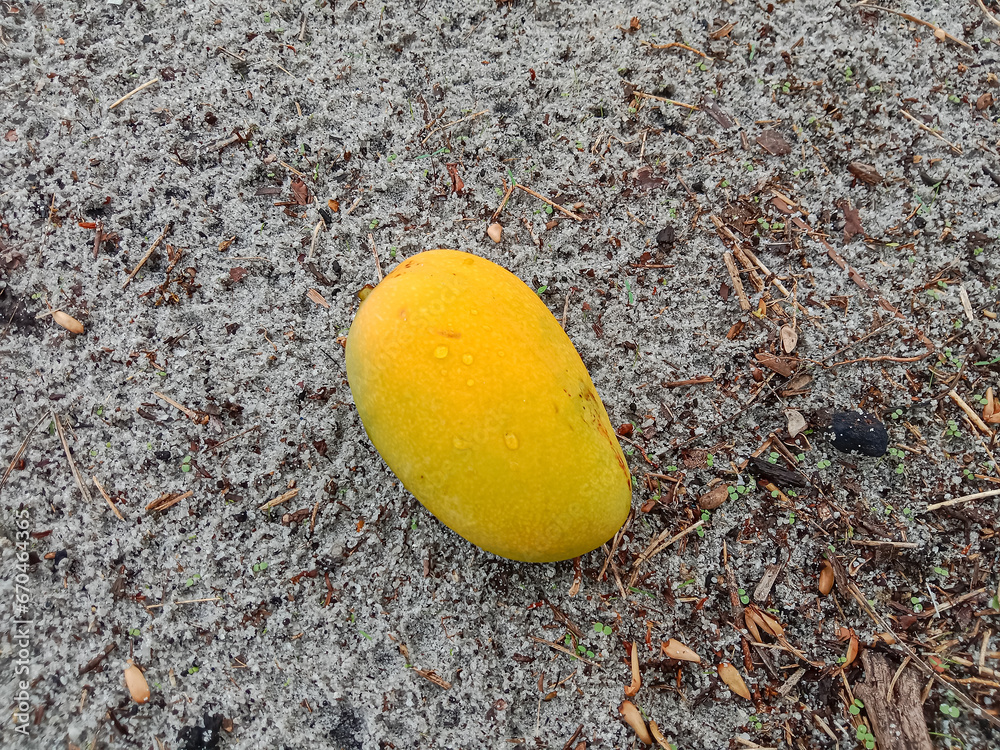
[475, 397]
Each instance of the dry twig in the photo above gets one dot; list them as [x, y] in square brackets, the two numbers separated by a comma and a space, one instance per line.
[133, 92]
[144, 258]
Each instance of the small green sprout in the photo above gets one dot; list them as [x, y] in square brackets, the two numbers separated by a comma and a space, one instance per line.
[744, 598]
[949, 707]
[709, 460]
[865, 736]
[186, 464]
[856, 707]
[602, 629]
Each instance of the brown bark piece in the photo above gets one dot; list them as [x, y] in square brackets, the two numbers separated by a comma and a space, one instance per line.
[865, 172]
[897, 719]
[774, 143]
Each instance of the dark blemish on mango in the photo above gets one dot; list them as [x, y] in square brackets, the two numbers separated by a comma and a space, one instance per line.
[449, 334]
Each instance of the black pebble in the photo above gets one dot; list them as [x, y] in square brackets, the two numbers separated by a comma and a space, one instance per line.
[162, 455]
[859, 431]
[198, 738]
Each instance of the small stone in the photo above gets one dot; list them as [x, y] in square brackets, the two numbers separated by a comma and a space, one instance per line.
[495, 231]
[859, 431]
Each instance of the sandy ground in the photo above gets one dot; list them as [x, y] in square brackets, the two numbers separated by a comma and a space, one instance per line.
[272, 142]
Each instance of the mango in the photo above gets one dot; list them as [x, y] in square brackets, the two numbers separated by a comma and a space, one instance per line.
[475, 397]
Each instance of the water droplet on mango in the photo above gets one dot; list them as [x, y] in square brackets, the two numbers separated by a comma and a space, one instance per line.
[441, 352]
[511, 440]
[467, 359]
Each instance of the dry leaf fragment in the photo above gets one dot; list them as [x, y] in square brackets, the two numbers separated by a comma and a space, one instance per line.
[136, 683]
[796, 422]
[632, 689]
[300, 193]
[989, 408]
[456, 181]
[634, 719]
[774, 143]
[754, 614]
[752, 627]
[224, 245]
[852, 652]
[658, 736]
[495, 231]
[789, 338]
[865, 172]
[826, 578]
[318, 298]
[713, 498]
[984, 101]
[784, 366]
[430, 674]
[677, 650]
[734, 681]
[852, 221]
[68, 322]
[333, 205]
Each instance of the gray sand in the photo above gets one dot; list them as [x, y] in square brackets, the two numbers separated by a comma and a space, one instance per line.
[325, 634]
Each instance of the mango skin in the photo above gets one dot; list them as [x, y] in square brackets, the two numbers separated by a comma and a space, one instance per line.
[475, 397]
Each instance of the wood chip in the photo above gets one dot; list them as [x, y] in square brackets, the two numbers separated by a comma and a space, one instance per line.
[897, 716]
[734, 277]
[283, 498]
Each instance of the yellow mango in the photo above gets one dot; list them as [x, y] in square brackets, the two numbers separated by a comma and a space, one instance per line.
[475, 397]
